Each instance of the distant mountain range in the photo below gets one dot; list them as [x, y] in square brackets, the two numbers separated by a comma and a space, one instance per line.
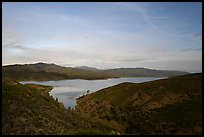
[87, 68]
[43, 72]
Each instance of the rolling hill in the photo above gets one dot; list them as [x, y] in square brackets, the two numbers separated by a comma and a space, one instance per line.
[44, 72]
[29, 110]
[143, 72]
[167, 106]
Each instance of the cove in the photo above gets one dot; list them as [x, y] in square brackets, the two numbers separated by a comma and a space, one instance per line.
[68, 90]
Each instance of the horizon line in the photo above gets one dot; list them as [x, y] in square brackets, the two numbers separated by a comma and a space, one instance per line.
[190, 71]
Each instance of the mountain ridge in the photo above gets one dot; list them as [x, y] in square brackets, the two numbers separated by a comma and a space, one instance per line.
[43, 71]
[88, 67]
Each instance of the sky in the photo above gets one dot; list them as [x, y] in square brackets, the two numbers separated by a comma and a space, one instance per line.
[165, 36]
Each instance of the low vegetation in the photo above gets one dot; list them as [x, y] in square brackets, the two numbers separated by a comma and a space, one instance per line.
[167, 106]
[29, 110]
[44, 72]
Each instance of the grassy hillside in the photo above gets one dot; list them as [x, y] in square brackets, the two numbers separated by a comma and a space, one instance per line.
[143, 72]
[43, 72]
[28, 109]
[167, 106]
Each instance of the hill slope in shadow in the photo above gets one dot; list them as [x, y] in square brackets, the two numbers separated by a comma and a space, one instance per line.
[167, 106]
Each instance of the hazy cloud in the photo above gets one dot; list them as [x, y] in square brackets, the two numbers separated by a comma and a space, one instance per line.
[122, 59]
[192, 49]
[144, 13]
[12, 41]
[104, 35]
[11, 38]
[199, 35]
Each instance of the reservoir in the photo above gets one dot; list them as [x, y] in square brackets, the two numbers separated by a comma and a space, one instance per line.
[68, 90]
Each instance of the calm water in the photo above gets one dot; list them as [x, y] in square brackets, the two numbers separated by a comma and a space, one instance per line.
[67, 90]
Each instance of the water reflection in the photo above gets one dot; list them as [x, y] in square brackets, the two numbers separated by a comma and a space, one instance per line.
[67, 90]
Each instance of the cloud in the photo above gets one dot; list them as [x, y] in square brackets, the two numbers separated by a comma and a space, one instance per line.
[12, 45]
[199, 35]
[178, 64]
[11, 38]
[144, 13]
[10, 33]
[192, 49]
[125, 35]
[129, 60]
[124, 59]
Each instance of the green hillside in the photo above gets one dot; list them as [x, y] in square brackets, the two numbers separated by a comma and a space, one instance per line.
[167, 106]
